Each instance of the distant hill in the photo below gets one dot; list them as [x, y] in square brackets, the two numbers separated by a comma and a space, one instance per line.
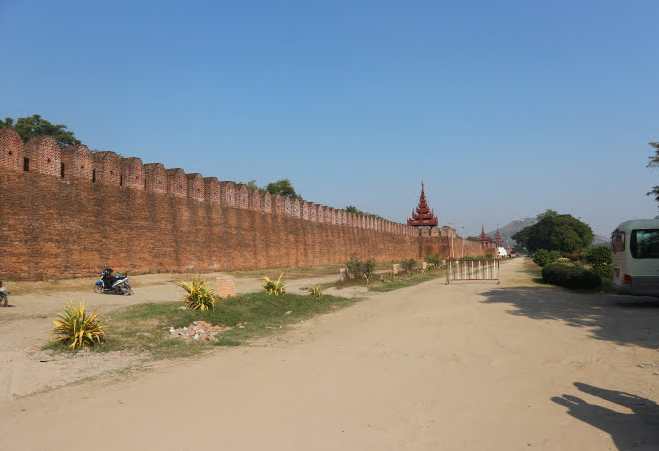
[516, 225]
[512, 228]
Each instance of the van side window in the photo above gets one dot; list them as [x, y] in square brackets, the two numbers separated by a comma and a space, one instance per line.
[644, 243]
[618, 241]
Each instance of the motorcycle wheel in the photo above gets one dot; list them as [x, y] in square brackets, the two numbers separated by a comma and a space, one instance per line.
[126, 290]
[3, 300]
[98, 289]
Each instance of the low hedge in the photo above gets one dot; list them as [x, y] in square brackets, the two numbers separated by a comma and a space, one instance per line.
[570, 276]
[604, 271]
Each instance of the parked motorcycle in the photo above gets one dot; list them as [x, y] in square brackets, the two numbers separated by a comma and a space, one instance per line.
[4, 296]
[113, 284]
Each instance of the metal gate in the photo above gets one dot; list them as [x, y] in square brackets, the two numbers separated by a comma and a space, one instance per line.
[472, 270]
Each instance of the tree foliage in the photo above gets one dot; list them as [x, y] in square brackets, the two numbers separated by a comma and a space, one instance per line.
[353, 209]
[556, 232]
[35, 125]
[654, 162]
[283, 188]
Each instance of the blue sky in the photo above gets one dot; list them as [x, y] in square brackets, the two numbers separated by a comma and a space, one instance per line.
[504, 108]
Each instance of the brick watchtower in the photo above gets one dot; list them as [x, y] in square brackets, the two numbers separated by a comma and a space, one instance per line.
[423, 216]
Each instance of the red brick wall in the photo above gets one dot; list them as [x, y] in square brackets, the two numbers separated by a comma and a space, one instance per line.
[50, 228]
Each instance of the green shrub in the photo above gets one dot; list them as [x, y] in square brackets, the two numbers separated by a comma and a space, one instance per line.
[315, 291]
[272, 287]
[408, 265]
[570, 276]
[600, 255]
[360, 268]
[200, 296]
[563, 260]
[576, 256]
[604, 271]
[76, 329]
[543, 257]
[433, 259]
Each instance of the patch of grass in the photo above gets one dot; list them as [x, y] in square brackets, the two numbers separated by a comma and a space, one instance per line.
[405, 281]
[145, 327]
[377, 285]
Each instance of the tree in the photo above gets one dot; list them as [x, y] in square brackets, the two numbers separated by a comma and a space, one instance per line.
[353, 209]
[283, 188]
[556, 232]
[654, 162]
[29, 127]
[251, 184]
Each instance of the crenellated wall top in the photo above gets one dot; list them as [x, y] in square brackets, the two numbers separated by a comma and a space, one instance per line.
[43, 155]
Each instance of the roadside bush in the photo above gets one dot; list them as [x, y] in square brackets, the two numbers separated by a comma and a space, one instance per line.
[76, 329]
[604, 271]
[315, 291]
[563, 260]
[360, 268]
[200, 296]
[570, 276]
[576, 256]
[543, 257]
[271, 287]
[433, 259]
[408, 265]
[600, 255]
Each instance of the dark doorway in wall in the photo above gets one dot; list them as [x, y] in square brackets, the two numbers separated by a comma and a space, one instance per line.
[61, 170]
[93, 175]
[26, 164]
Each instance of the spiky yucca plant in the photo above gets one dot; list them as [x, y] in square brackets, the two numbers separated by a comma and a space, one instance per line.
[276, 288]
[200, 296]
[316, 291]
[76, 329]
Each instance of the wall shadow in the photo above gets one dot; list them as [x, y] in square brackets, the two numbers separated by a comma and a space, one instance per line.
[616, 318]
[636, 430]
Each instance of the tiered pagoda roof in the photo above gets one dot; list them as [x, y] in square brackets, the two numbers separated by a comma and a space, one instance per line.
[498, 239]
[484, 239]
[423, 216]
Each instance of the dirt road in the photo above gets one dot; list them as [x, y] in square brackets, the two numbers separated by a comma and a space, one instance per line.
[469, 366]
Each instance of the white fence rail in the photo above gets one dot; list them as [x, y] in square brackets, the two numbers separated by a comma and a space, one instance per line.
[457, 270]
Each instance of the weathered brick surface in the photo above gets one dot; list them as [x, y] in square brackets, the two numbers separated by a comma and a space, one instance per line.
[195, 186]
[12, 150]
[44, 154]
[177, 184]
[212, 191]
[51, 227]
[77, 162]
[155, 178]
[132, 173]
[225, 286]
[106, 167]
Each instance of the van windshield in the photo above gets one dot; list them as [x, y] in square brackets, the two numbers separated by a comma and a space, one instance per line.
[644, 243]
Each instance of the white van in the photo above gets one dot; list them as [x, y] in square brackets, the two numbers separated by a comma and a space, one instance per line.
[636, 257]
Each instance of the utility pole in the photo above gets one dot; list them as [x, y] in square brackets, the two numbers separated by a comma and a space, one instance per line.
[462, 254]
[451, 225]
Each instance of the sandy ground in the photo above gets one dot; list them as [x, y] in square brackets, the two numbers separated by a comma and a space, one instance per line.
[24, 326]
[468, 366]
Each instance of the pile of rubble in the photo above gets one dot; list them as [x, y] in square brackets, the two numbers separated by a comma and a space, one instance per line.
[198, 331]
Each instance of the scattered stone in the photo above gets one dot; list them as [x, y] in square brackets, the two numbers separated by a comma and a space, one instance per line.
[343, 274]
[289, 312]
[198, 331]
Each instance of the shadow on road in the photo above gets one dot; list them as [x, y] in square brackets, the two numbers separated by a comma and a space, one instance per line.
[620, 319]
[638, 429]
